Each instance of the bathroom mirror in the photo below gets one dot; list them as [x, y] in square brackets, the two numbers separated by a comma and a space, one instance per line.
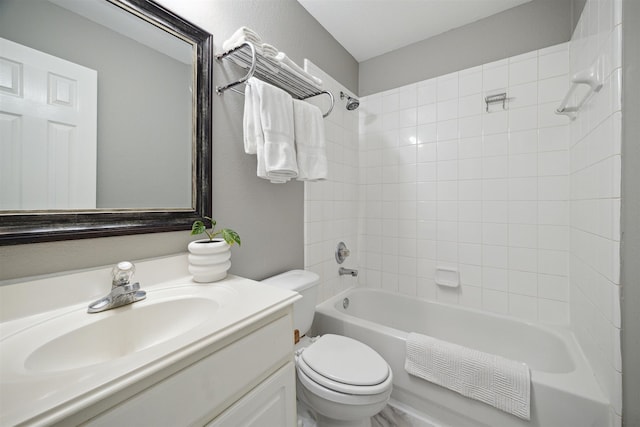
[148, 125]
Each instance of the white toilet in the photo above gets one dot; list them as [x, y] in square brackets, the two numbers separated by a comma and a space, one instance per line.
[344, 381]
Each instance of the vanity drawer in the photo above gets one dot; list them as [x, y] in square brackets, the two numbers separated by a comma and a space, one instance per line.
[205, 389]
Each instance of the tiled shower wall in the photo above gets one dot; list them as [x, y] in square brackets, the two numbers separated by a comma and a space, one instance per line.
[444, 183]
[595, 198]
[331, 206]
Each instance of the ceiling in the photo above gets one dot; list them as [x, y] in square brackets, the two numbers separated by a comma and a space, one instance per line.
[368, 28]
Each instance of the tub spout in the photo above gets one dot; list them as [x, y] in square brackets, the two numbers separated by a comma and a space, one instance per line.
[342, 271]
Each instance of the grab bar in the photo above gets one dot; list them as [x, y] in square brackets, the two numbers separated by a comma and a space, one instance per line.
[590, 77]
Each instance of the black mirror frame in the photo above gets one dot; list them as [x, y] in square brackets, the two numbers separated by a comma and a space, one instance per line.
[37, 227]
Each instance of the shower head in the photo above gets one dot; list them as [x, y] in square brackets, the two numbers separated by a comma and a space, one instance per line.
[352, 103]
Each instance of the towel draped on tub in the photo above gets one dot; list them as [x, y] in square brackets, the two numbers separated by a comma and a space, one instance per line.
[491, 379]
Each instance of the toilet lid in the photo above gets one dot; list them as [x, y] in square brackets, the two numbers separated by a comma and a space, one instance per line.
[345, 360]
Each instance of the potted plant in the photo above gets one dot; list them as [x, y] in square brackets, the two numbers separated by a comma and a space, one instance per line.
[209, 259]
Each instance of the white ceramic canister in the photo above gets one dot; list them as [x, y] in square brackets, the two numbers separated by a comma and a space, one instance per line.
[209, 260]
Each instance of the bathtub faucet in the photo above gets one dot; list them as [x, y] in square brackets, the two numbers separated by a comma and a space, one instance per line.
[342, 271]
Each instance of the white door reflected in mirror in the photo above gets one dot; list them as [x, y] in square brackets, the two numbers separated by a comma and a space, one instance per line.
[48, 131]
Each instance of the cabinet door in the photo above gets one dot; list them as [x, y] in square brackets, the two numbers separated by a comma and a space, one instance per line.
[208, 387]
[271, 404]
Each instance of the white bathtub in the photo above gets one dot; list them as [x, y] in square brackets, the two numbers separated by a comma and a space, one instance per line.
[564, 390]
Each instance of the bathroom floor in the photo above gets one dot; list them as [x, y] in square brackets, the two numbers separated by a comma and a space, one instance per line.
[394, 414]
[397, 415]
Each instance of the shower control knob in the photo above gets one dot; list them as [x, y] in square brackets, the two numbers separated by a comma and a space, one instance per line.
[342, 252]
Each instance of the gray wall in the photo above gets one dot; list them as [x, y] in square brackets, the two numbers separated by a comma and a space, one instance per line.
[268, 217]
[630, 275]
[531, 26]
[131, 147]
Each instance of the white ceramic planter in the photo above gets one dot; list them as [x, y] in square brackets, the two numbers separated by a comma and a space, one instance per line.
[209, 260]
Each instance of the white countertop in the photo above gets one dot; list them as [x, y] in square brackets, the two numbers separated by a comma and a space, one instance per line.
[28, 396]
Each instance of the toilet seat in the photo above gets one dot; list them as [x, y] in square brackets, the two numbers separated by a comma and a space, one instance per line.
[345, 365]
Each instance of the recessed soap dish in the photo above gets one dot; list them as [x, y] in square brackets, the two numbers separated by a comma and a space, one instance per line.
[448, 277]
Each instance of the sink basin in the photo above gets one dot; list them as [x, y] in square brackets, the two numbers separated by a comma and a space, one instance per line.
[116, 333]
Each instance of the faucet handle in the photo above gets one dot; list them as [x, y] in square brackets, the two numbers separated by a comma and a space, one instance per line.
[342, 252]
[122, 273]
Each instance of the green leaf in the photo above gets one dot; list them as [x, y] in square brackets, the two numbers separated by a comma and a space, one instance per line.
[230, 236]
[198, 227]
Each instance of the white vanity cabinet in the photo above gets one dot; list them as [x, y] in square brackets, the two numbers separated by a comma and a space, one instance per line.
[249, 382]
[189, 354]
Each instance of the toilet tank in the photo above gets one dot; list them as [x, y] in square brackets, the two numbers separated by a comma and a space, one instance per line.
[306, 284]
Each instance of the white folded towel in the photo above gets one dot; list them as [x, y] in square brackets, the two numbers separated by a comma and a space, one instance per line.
[251, 123]
[294, 68]
[494, 380]
[242, 35]
[310, 142]
[275, 152]
[269, 51]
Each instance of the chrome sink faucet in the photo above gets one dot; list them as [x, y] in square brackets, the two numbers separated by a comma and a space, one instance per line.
[123, 292]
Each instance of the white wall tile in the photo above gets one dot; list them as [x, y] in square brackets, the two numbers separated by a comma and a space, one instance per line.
[550, 311]
[494, 122]
[523, 118]
[470, 105]
[495, 256]
[553, 287]
[427, 92]
[495, 77]
[553, 163]
[470, 296]
[408, 96]
[427, 113]
[427, 133]
[524, 307]
[390, 102]
[523, 283]
[553, 64]
[523, 235]
[553, 138]
[496, 279]
[553, 89]
[523, 71]
[524, 212]
[495, 167]
[523, 165]
[495, 301]
[470, 81]
[447, 130]
[470, 148]
[485, 196]
[495, 145]
[447, 110]
[447, 87]
[523, 95]
[469, 127]
[495, 211]
[523, 259]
